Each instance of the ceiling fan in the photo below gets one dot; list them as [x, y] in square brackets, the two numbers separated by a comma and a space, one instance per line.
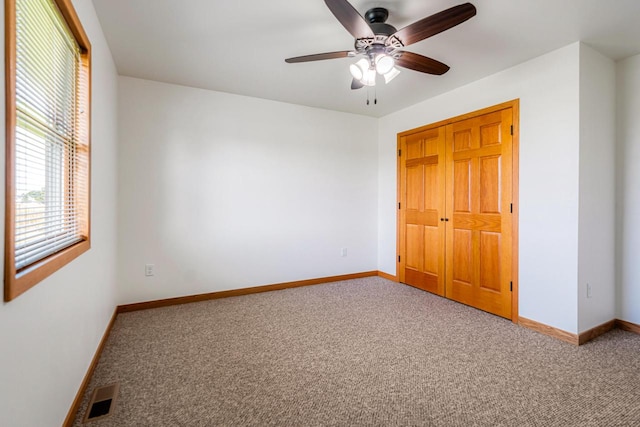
[380, 44]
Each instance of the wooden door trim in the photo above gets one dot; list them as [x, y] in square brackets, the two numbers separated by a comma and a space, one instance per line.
[503, 106]
[515, 106]
[399, 214]
[515, 186]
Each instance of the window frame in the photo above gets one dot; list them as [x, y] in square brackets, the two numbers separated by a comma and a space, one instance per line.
[17, 282]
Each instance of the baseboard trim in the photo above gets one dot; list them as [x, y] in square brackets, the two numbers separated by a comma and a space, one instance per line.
[583, 337]
[592, 333]
[239, 292]
[387, 276]
[628, 326]
[549, 330]
[75, 406]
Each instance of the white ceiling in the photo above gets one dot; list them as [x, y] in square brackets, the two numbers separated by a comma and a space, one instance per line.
[239, 46]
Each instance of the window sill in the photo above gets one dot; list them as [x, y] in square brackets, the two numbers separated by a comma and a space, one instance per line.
[16, 284]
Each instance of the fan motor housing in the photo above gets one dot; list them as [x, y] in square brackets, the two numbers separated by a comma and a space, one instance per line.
[377, 17]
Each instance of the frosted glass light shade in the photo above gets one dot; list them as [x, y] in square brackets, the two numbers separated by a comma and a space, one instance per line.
[391, 75]
[384, 64]
[369, 78]
[355, 71]
[359, 69]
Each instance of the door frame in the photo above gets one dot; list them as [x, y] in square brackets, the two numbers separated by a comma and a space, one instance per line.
[515, 106]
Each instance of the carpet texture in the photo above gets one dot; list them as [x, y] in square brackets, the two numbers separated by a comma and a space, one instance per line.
[359, 352]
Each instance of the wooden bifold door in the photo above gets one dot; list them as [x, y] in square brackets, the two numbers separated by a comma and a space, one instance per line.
[455, 204]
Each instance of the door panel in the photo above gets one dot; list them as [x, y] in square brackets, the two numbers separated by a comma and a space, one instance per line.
[415, 247]
[490, 260]
[432, 249]
[415, 191]
[432, 193]
[490, 185]
[421, 240]
[490, 134]
[462, 184]
[462, 252]
[482, 175]
[462, 141]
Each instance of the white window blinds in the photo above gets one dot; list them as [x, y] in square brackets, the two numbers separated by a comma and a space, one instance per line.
[46, 139]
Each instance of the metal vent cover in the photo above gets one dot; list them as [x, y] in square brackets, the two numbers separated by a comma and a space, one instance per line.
[102, 402]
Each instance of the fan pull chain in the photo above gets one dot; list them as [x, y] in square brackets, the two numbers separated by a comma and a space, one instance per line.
[375, 95]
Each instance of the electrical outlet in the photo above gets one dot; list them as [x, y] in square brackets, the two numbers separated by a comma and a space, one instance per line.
[589, 290]
[149, 269]
[343, 252]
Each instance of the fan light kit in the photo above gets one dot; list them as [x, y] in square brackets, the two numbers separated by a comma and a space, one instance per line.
[364, 71]
[379, 44]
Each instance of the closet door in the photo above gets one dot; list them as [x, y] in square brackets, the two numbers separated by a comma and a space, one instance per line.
[478, 206]
[422, 203]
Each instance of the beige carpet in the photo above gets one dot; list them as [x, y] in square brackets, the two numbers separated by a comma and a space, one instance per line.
[360, 352]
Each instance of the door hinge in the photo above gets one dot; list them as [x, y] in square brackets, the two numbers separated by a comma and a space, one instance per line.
[511, 129]
[510, 286]
[398, 258]
[399, 153]
[511, 208]
[398, 205]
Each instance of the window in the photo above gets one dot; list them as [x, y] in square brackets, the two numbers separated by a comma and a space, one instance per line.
[48, 158]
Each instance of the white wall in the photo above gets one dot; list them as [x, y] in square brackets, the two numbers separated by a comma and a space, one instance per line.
[628, 185]
[221, 191]
[596, 225]
[548, 89]
[49, 334]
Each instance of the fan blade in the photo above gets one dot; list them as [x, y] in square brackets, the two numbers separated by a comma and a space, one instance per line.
[320, 56]
[350, 18]
[434, 24]
[416, 62]
[356, 84]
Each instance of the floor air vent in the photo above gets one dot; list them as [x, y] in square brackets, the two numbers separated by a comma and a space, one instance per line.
[102, 402]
